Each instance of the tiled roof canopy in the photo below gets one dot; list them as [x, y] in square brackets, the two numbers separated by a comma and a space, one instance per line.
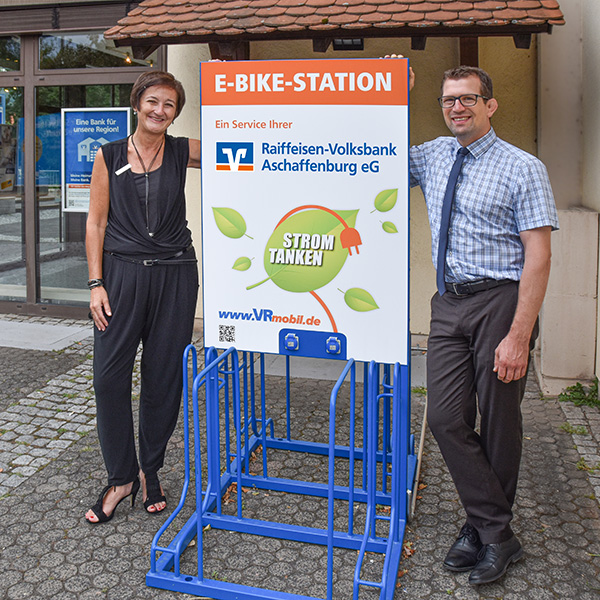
[178, 21]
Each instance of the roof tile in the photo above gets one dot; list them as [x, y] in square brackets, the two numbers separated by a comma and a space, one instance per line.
[231, 31]
[507, 14]
[455, 23]
[343, 19]
[176, 10]
[271, 11]
[160, 27]
[241, 13]
[198, 18]
[408, 17]
[525, 4]
[443, 15]
[213, 15]
[155, 10]
[301, 11]
[292, 28]
[323, 27]
[309, 20]
[375, 18]
[279, 21]
[260, 30]
[429, 6]
[476, 15]
[319, 3]
[358, 25]
[217, 24]
[553, 13]
[395, 7]
[291, 2]
[332, 10]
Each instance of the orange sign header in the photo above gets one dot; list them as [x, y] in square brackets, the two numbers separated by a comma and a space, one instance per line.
[343, 82]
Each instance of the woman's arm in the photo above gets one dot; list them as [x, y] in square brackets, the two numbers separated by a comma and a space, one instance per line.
[94, 239]
[194, 159]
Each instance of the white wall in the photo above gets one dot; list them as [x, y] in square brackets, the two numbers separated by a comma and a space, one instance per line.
[591, 120]
[569, 141]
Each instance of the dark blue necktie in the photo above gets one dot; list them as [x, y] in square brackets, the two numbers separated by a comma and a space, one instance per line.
[445, 224]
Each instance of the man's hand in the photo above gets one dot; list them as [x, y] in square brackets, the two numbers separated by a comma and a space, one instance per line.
[511, 358]
[411, 73]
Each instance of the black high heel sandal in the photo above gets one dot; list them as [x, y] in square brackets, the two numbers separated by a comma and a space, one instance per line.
[97, 508]
[153, 493]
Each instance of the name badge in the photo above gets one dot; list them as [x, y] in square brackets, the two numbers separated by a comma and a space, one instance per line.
[123, 169]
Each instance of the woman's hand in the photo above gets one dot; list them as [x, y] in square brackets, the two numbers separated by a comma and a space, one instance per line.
[100, 307]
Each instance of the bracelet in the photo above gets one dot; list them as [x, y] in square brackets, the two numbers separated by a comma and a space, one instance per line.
[94, 283]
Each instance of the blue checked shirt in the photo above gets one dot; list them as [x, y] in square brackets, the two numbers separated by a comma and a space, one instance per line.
[500, 192]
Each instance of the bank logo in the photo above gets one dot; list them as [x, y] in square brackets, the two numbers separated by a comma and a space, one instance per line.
[235, 156]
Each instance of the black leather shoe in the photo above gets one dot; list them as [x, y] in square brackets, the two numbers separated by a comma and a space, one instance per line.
[462, 556]
[495, 559]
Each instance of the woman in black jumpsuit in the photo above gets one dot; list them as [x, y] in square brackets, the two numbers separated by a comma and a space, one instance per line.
[144, 287]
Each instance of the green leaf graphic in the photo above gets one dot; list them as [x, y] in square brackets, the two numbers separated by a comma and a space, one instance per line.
[308, 277]
[360, 300]
[229, 222]
[389, 227]
[243, 263]
[386, 200]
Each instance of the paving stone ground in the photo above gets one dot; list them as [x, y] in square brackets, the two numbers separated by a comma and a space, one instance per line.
[52, 472]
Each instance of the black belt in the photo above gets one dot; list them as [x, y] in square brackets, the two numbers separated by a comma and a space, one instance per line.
[472, 287]
[150, 262]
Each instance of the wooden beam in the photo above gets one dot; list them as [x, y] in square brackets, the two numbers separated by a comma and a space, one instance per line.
[143, 52]
[321, 44]
[418, 42]
[469, 51]
[522, 40]
[239, 50]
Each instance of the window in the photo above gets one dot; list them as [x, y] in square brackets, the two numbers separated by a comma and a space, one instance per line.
[10, 54]
[85, 50]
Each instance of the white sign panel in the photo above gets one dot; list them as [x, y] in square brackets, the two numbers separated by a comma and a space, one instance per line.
[305, 207]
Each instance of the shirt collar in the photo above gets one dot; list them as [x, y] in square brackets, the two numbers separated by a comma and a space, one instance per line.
[479, 147]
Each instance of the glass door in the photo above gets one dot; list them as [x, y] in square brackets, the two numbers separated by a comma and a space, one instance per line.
[13, 281]
[61, 245]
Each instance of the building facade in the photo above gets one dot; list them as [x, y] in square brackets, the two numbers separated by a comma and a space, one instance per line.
[53, 56]
[50, 59]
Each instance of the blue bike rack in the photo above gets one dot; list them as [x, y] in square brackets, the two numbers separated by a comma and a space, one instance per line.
[386, 452]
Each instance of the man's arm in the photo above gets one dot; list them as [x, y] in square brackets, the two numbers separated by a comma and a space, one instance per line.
[512, 354]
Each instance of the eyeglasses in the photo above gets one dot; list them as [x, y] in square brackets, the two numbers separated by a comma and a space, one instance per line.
[467, 100]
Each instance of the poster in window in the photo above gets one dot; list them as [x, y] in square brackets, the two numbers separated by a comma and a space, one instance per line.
[83, 132]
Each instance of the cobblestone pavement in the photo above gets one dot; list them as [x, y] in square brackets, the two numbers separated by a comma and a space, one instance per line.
[51, 472]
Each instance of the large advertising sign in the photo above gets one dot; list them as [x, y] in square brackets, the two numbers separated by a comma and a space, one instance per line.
[83, 131]
[305, 207]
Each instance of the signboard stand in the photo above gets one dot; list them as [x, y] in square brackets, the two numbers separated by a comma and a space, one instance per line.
[302, 162]
[380, 477]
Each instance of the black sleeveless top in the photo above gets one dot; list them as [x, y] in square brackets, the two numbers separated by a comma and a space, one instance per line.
[127, 230]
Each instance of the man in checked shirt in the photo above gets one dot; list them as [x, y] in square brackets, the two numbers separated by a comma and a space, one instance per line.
[484, 318]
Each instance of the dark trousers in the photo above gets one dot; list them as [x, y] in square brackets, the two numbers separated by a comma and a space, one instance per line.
[484, 464]
[154, 305]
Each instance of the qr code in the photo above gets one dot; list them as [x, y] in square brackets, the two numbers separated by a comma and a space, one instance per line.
[227, 333]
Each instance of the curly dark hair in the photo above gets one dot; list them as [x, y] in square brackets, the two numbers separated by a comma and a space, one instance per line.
[463, 71]
[150, 78]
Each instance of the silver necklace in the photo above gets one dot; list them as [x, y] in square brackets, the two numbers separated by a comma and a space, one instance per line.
[146, 174]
